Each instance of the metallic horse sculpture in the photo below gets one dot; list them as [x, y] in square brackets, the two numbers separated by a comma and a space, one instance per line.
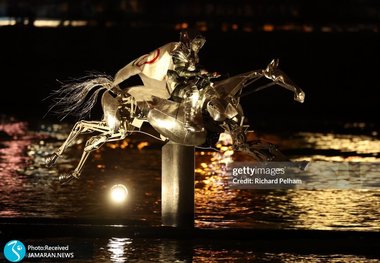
[215, 110]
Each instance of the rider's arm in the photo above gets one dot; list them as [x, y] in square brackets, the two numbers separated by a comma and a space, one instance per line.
[182, 72]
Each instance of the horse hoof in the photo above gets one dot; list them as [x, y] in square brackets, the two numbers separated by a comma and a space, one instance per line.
[66, 178]
[50, 160]
[303, 165]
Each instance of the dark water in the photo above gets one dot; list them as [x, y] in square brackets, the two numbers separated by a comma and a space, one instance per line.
[28, 189]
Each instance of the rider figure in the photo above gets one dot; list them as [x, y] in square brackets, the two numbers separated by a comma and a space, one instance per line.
[186, 77]
[172, 72]
[185, 63]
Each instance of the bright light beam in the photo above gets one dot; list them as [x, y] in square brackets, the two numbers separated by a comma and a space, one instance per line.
[119, 193]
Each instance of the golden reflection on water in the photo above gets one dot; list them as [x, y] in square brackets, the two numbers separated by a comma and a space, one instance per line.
[211, 193]
[339, 159]
[332, 209]
[343, 142]
[356, 148]
[317, 209]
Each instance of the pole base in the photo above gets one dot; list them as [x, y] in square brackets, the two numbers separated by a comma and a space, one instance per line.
[177, 192]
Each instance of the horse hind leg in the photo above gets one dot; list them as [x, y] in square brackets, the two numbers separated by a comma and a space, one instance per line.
[80, 127]
[92, 144]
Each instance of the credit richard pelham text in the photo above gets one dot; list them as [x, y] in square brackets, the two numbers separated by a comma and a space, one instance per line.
[253, 171]
[47, 251]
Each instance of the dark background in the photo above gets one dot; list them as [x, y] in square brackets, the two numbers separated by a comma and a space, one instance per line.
[330, 49]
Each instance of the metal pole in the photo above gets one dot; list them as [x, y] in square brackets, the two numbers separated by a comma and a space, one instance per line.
[177, 192]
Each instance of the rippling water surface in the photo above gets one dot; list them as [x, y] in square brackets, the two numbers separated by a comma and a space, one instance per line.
[28, 189]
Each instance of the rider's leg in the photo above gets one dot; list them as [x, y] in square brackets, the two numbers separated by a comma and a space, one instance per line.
[191, 108]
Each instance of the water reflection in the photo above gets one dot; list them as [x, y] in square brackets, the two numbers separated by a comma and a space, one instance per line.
[156, 250]
[12, 159]
[337, 209]
[28, 189]
[116, 248]
[361, 144]
[332, 147]
[323, 209]
[142, 250]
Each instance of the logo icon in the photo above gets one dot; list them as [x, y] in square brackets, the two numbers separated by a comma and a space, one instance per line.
[14, 251]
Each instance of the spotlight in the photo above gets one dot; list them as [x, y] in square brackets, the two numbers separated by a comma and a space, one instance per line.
[119, 193]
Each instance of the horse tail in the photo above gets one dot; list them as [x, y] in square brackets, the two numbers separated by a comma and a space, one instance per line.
[78, 97]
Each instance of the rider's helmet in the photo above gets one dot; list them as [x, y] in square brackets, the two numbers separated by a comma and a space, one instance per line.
[191, 42]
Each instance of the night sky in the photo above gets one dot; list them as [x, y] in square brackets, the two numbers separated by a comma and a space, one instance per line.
[329, 49]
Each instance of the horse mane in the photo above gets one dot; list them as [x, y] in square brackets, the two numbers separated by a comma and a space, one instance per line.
[72, 97]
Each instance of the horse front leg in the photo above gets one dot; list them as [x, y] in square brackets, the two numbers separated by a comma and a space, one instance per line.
[268, 152]
[264, 151]
[80, 127]
[258, 150]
